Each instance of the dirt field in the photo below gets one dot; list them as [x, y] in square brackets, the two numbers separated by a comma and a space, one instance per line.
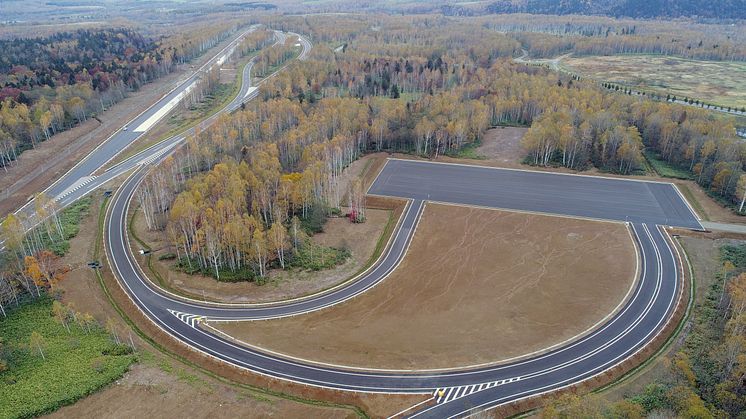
[503, 145]
[38, 168]
[706, 207]
[158, 388]
[717, 82]
[477, 286]
[500, 147]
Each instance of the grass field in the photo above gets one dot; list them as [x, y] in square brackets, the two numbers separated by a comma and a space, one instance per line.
[717, 82]
[662, 168]
[77, 363]
[70, 220]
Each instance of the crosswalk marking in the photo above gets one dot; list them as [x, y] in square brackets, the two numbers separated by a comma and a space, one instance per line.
[190, 319]
[155, 156]
[75, 186]
[445, 395]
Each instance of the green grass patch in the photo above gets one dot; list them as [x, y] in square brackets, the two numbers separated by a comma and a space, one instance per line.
[663, 168]
[77, 363]
[467, 151]
[70, 221]
[192, 267]
[315, 257]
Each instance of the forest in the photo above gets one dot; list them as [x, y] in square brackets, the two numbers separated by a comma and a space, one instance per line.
[728, 9]
[416, 85]
[550, 36]
[49, 84]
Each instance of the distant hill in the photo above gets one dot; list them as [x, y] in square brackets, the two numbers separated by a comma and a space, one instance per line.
[718, 9]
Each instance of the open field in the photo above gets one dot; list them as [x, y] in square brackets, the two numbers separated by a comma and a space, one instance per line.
[477, 286]
[500, 146]
[158, 387]
[716, 82]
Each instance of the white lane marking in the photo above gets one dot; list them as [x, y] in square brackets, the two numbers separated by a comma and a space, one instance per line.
[190, 319]
[445, 395]
[250, 91]
[75, 186]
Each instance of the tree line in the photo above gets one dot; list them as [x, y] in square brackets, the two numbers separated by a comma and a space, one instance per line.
[49, 84]
[550, 36]
[411, 84]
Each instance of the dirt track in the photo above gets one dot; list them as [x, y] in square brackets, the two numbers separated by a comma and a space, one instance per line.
[476, 286]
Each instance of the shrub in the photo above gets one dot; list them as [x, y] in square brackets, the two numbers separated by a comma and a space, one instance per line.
[33, 386]
[314, 257]
[314, 220]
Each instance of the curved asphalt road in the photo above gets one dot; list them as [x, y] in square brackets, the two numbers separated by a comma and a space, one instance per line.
[645, 204]
[637, 323]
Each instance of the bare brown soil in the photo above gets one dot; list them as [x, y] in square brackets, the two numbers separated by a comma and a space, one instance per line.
[476, 286]
[360, 239]
[501, 147]
[158, 389]
[38, 168]
[503, 144]
[713, 210]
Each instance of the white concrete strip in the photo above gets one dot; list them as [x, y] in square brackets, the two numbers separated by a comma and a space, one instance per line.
[251, 90]
[165, 109]
[190, 319]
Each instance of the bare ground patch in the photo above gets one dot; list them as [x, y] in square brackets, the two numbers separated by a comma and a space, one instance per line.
[477, 286]
[503, 145]
[159, 389]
